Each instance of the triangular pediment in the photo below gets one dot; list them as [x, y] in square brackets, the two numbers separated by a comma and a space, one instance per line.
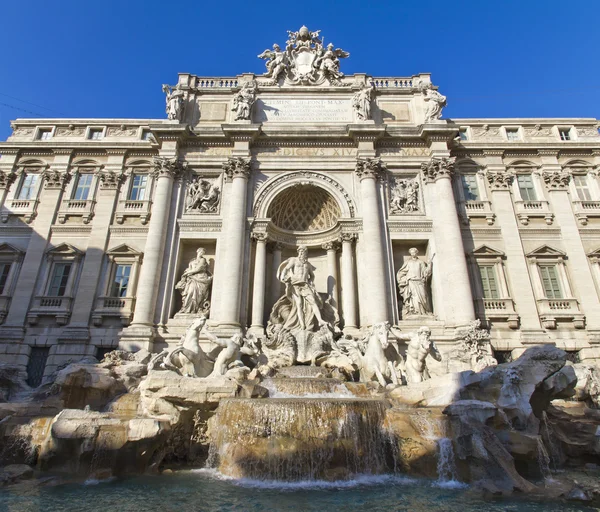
[546, 250]
[64, 249]
[487, 251]
[594, 254]
[8, 249]
[123, 250]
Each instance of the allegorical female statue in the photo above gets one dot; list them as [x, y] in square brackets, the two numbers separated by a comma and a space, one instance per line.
[413, 280]
[195, 284]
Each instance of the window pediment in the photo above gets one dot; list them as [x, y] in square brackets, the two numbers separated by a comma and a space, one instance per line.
[64, 249]
[545, 251]
[485, 251]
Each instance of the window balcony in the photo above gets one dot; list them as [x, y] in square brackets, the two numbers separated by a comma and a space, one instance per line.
[58, 307]
[26, 208]
[501, 310]
[478, 209]
[113, 307]
[585, 209]
[130, 208]
[554, 310]
[76, 208]
[528, 209]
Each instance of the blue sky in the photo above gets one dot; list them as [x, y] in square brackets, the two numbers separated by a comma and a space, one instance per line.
[81, 58]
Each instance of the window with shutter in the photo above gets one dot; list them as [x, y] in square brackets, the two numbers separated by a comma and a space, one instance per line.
[550, 282]
[489, 282]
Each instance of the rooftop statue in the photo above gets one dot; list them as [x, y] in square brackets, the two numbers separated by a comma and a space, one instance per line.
[243, 101]
[174, 102]
[306, 60]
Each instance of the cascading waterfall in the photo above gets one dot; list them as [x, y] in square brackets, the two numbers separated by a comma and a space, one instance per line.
[306, 387]
[295, 439]
[543, 459]
[446, 467]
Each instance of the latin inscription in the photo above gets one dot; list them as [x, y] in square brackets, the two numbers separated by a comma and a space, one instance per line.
[303, 111]
[304, 152]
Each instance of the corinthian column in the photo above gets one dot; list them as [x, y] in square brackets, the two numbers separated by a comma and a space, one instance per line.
[139, 334]
[260, 270]
[348, 282]
[368, 170]
[332, 279]
[237, 171]
[450, 265]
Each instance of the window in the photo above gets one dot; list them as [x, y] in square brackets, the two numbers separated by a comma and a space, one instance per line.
[82, 187]
[582, 187]
[120, 281]
[550, 282]
[526, 188]
[470, 189]
[138, 187]
[4, 271]
[59, 280]
[27, 190]
[36, 365]
[489, 282]
[565, 133]
[147, 135]
[512, 134]
[95, 133]
[463, 135]
[44, 134]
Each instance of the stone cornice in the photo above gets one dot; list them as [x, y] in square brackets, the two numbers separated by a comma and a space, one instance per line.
[241, 132]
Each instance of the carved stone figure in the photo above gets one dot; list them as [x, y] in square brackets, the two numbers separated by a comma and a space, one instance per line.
[230, 356]
[404, 196]
[187, 359]
[361, 102]
[413, 279]
[277, 63]
[475, 344]
[202, 196]
[278, 349]
[301, 298]
[435, 102]
[419, 347]
[195, 284]
[304, 61]
[243, 101]
[174, 102]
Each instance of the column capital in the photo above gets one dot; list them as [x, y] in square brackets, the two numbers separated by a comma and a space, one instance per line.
[167, 167]
[333, 245]
[54, 179]
[259, 236]
[7, 179]
[109, 180]
[348, 237]
[499, 180]
[236, 167]
[438, 168]
[557, 180]
[369, 168]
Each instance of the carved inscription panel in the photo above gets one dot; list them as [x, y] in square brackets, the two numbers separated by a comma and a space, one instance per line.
[305, 110]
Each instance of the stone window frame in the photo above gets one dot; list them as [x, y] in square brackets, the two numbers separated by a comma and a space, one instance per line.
[119, 307]
[594, 259]
[528, 208]
[13, 256]
[27, 208]
[572, 132]
[37, 133]
[584, 208]
[71, 207]
[58, 306]
[500, 309]
[514, 129]
[481, 207]
[553, 310]
[90, 129]
[466, 130]
[135, 208]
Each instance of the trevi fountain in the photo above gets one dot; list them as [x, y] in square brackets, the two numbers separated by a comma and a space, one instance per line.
[316, 408]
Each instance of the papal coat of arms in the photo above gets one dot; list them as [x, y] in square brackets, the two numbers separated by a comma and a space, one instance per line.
[305, 61]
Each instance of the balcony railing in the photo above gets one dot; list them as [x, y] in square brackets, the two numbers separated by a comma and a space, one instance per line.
[474, 209]
[585, 209]
[50, 305]
[553, 310]
[26, 208]
[115, 307]
[498, 310]
[528, 209]
[76, 207]
[130, 208]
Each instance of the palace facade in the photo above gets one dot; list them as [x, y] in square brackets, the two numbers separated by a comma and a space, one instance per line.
[100, 218]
